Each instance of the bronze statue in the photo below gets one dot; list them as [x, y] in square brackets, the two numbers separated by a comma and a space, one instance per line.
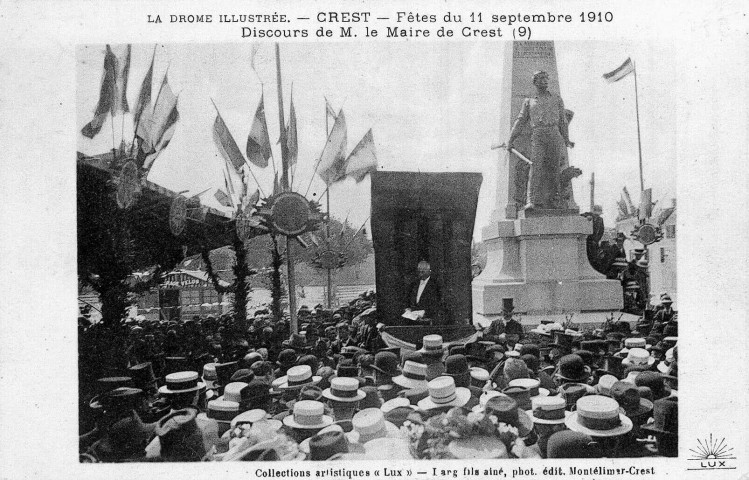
[549, 177]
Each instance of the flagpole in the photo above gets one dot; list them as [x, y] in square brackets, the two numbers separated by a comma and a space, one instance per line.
[285, 186]
[639, 144]
[135, 129]
[329, 296]
[592, 189]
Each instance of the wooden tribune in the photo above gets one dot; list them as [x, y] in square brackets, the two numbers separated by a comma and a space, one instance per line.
[419, 216]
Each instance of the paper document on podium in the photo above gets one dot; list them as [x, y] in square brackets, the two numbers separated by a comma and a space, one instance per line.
[413, 314]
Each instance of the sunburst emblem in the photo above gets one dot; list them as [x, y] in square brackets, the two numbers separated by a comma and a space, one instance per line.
[711, 449]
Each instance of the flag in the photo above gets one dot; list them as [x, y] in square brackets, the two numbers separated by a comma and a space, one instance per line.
[106, 96]
[222, 198]
[153, 125]
[249, 201]
[170, 125]
[628, 201]
[258, 142]
[332, 163]
[292, 146]
[625, 69]
[226, 144]
[646, 204]
[144, 97]
[276, 185]
[329, 110]
[123, 72]
[363, 158]
[664, 215]
[622, 208]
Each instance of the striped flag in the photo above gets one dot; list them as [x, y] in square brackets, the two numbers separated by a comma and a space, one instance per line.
[363, 158]
[123, 72]
[153, 125]
[107, 93]
[144, 97]
[625, 69]
[226, 144]
[222, 198]
[646, 204]
[332, 167]
[170, 125]
[628, 202]
[258, 142]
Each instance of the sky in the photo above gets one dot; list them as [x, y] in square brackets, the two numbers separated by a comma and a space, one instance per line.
[432, 107]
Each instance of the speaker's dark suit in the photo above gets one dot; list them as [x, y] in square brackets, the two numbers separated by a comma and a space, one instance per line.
[430, 301]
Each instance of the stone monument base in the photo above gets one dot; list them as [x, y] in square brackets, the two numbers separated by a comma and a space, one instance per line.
[540, 262]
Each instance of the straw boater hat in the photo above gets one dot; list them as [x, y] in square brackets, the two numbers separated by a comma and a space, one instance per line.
[297, 377]
[209, 375]
[344, 389]
[479, 376]
[413, 375]
[233, 392]
[433, 346]
[370, 424]
[222, 410]
[181, 382]
[443, 393]
[396, 402]
[598, 416]
[532, 384]
[638, 357]
[605, 383]
[308, 415]
[549, 410]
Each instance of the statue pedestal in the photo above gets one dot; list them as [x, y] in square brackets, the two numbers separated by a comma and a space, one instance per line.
[541, 263]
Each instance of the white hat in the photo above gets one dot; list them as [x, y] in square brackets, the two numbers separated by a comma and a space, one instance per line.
[598, 416]
[549, 410]
[233, 392]
[250, 416]
[222, 410]
[308, 414]
[181, 382]
[344, 389]
[387, 448]
[479, 374]
[369, 424]
[532, 384]
[298, 377]
[394, 403]
[630, 343]
[605, 383]
[413, 375]
[443, 393]
[433, 345]
[209, 375]
[638, 357]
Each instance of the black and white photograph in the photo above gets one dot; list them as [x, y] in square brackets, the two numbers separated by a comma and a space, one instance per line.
[348, 241]
[475, 274]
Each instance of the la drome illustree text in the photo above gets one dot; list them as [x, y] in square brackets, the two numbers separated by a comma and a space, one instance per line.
[389, 25]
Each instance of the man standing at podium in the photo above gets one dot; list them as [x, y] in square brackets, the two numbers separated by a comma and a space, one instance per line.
[425, 295]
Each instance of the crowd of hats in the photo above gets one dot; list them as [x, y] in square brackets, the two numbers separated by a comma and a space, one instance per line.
[554, 393]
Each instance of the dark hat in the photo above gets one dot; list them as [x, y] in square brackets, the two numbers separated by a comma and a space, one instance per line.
[180, 437]
[665, 417]
[126, 439]
[530, 349]
[506, 410]
[121, 399]
[521, 395]
[531, 361]
[249, 359]
[242, 375]
[255, 395]
[142, 375]
[456, 366]
[386, 363]
[561, 340]
[310, 360]
[224, 371]
[628, 398]
[571, 444]
[287, 358]
[457, 350]
[175, 364]
[646, 393]
[399, 415]
[671, 329]
[297, 342]
[324, 445]
[572, 392]
[611, 366]
[572, 368]
[311, 392]
[107, 384]
[393, 350]
[654, 381]
[586, 355]
[372, 398]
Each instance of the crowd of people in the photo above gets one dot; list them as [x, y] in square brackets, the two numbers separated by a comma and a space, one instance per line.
[214, 390]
